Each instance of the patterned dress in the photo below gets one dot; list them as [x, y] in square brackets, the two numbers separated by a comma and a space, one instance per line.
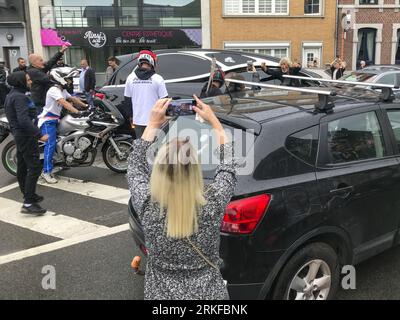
[175, 271]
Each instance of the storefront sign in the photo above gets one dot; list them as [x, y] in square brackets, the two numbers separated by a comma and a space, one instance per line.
[121, 37]
[96, 40]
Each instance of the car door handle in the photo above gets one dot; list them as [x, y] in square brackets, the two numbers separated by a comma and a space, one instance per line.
[341, 191]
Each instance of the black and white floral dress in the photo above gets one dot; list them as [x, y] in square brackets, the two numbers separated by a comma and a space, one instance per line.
[175, 271]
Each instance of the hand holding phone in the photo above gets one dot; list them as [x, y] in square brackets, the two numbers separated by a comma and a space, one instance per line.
[183, 107]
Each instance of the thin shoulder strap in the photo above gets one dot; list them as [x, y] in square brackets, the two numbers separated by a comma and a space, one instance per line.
[202, 255]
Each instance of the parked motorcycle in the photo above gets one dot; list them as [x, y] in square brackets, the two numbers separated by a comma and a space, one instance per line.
[78, 139]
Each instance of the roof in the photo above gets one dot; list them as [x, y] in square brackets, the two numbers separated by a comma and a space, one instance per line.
[383, 68]
[269, 104]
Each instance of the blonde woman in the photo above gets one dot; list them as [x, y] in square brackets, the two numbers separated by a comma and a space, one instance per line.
[286, 68]
[181, 218]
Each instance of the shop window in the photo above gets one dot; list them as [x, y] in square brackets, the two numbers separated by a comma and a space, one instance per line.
[366, 45]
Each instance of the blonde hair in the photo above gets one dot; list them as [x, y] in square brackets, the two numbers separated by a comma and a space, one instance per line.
[177, 185]
[285, 61]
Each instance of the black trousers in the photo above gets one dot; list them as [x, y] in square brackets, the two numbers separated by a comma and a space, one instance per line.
[29, 166]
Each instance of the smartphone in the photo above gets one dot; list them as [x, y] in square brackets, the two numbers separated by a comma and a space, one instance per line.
[182, 107]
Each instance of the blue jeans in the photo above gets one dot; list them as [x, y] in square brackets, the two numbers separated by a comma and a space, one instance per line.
[49, 128]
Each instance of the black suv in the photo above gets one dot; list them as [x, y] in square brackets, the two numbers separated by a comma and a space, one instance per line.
[323, 193]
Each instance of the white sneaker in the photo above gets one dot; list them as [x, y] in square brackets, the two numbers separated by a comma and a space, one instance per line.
[48, 178]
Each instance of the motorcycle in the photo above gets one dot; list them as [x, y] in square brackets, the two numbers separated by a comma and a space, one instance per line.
[78, 139]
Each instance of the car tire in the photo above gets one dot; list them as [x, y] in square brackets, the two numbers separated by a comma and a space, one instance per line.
[291, 284]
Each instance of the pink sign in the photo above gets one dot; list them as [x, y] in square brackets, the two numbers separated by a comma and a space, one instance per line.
[50, 38]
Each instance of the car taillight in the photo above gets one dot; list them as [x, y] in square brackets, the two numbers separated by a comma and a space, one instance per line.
[242, 216]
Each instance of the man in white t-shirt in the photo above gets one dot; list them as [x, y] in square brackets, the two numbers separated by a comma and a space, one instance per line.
[57, 98]
[143, 88]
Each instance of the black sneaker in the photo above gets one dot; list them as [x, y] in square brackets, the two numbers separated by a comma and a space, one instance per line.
[37, 198]
[33, 209]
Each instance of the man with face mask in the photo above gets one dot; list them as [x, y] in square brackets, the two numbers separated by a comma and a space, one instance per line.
[142, 90]
[21, 114]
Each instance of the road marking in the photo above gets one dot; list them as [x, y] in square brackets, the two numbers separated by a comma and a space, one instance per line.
[91, 189]
[51, 224]
[8, 188]
[62, 244]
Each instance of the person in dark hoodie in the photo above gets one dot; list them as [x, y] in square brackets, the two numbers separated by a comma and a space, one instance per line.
[21, 114]
[143, 89]
[41, 82]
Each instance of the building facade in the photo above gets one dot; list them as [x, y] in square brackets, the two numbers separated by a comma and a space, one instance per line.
[14, 39]
[369, 30]
[99, 29]
[303, 30]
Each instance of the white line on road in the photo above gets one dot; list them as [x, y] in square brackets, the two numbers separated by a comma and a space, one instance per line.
[8, 188]
[62, 244]
[58, 226]
[91, 189]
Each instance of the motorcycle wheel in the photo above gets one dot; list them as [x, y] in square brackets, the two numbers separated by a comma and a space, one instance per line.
[9, 158]
[111, 159]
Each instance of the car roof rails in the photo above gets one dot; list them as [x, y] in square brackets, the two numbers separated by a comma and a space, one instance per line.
[325, 101]
[387, 89]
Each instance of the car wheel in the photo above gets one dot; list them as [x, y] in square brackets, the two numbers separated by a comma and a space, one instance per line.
[312, 273]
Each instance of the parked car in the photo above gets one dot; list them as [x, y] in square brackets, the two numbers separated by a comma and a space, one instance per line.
[383, 67]
[323, 192]
[376, 74]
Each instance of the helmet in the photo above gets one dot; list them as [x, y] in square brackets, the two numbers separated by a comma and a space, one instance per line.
[61, 75]
[148, 57]
[219, 76]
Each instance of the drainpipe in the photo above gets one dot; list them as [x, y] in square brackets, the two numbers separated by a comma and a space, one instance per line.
[337, 28]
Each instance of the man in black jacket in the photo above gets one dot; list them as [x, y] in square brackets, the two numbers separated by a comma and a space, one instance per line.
[40, 80]
[87, 81]
[21, 114]
[21, 65]
[3, 82]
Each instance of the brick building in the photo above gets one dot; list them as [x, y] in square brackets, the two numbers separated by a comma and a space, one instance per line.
[303, 30]
[374, 31]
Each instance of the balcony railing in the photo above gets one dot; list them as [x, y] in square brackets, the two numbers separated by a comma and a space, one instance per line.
[110, 17]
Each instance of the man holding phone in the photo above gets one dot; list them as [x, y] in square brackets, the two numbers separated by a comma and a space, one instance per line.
[143, 89]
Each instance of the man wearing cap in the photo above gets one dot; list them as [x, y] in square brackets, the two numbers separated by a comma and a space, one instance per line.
[143, 88]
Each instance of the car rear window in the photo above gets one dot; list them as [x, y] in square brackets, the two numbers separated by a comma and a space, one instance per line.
[204, 141]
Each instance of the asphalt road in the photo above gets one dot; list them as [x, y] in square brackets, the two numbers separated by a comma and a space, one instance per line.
[98, 267]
